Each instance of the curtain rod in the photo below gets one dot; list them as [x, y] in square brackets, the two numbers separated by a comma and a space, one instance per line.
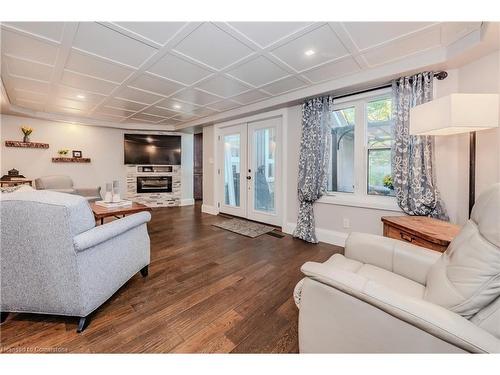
[438, 75]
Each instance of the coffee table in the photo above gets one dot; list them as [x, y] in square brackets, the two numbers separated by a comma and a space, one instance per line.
[101, 212]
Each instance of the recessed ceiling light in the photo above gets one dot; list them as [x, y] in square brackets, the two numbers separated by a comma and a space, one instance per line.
[309, 52]
[80, 96]
[177, 106]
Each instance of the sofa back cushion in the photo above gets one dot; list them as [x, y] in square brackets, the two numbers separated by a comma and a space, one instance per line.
[467, 276]
[54, 182]
[76, 210]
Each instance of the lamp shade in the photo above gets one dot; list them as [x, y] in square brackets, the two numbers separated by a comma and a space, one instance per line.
[455, 114]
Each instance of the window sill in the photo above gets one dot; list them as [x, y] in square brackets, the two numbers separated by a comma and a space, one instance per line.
[370, 202]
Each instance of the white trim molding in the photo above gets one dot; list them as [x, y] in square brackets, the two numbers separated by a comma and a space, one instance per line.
[187, 202]
[207, 209]
[332, 237]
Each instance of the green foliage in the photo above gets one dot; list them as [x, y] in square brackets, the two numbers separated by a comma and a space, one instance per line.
[388, 182]
[379, 110]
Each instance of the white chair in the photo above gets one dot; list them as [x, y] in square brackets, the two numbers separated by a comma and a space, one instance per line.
[385, 295]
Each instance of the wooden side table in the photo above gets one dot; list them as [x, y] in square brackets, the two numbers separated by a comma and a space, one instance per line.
[101, 212]
[421, 231]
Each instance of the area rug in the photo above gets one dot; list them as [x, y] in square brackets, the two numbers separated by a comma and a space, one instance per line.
[244, 227]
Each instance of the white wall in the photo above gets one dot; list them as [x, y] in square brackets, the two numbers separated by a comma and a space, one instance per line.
[208, 170]
[452, 152]
[103, 145]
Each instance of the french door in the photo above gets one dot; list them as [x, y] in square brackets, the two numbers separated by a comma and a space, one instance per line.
[249, 160]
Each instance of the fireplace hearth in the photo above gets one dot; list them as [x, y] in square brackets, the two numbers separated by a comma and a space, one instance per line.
[154, 184]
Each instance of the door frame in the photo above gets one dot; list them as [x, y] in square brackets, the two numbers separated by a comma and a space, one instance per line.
[283, 113]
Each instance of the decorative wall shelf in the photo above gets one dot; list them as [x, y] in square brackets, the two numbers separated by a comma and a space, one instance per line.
[70, 160]
[26, 144]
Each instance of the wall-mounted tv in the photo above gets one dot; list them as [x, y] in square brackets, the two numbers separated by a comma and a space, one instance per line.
[152, 149]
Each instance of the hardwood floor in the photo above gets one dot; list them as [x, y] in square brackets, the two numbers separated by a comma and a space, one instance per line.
[208, 290]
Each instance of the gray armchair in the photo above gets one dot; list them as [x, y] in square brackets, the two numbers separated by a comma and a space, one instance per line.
[64, 184]
[54, 260]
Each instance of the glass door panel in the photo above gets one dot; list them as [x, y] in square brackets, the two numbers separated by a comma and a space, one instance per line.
[232, 169]
[264, 169]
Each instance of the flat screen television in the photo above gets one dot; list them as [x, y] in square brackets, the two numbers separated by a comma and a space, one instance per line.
[152, 149]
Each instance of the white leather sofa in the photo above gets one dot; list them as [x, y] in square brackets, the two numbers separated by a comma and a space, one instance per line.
[386, 295]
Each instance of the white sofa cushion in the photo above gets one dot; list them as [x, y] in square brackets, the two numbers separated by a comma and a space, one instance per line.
[467, 276]
[391, 280]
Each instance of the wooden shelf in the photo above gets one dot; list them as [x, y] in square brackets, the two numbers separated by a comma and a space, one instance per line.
[70, 160]
[26, 144]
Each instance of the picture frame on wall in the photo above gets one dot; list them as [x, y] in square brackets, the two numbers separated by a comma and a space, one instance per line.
[77, 154]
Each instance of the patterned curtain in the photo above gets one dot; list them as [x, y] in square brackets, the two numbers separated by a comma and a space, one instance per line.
[313, 163]
[412, 156]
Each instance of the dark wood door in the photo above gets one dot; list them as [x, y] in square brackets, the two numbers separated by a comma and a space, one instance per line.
[198, 167]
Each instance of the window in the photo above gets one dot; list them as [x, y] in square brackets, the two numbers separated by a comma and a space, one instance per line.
[379, 143]
[360, 162]
[341, 167]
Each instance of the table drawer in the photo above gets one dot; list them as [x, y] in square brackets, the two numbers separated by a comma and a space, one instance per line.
[399, 234]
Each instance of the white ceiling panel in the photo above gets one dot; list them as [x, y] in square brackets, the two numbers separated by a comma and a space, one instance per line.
[49, 30]
[404, 47]
[196, 97]
[148, 118]
[159, 32]
[258, 72]
[28, 84]
[179, 70]
[177, 106]
[97, 67]
[77, 94]
[136, 95]
[212, 46]
[204, 112]
[380, 32]
[223, 86]
[285, 85]
[102, 41]
[31, 104]
[322, 41]
[250, 97]
[75, 104]
[266, 33]
[115, 111]
[126, 105]
[20, 94]
[333, 70]
[29, 69]
[184, 117]
[106, 117]
[224, 105]
[156, 84]
[159, 111]
[28, 48]
[87, 83]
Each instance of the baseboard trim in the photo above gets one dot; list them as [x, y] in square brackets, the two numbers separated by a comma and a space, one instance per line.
[209, 209]
[187, 202]
[324, 235]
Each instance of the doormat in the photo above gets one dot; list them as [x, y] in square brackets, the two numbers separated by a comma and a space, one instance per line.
[244, 227]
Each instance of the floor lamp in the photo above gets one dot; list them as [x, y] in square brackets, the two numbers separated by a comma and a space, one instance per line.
[457, 114]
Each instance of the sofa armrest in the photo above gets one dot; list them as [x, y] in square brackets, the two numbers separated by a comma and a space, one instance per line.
[89, 192]
[410, 261]
[105, 232]
[424, 315]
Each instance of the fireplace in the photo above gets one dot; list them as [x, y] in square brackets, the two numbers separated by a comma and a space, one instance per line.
[154, 184]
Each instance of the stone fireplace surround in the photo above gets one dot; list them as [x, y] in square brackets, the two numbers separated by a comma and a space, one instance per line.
[154, 199]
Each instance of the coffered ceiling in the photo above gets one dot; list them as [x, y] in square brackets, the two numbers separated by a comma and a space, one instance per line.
[170, 73]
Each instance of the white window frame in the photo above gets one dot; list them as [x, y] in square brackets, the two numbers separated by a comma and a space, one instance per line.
[360, 196]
